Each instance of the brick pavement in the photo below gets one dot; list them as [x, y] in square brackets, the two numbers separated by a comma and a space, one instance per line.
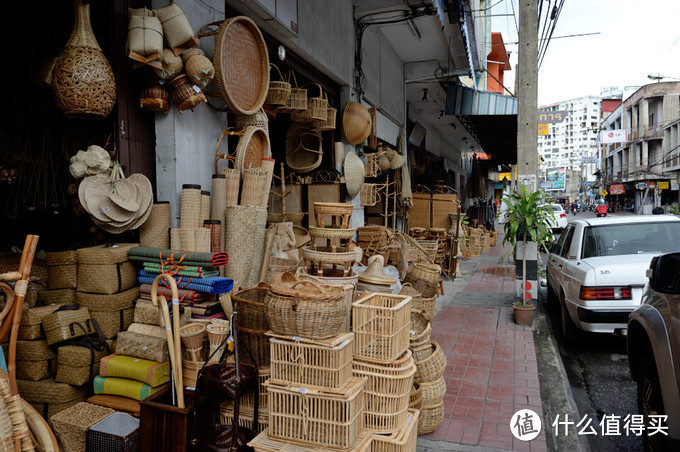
[491, 371]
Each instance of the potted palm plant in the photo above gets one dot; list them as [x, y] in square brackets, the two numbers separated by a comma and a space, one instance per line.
[527, 227]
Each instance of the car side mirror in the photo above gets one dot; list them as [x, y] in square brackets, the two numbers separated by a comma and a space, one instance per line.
[664, 273]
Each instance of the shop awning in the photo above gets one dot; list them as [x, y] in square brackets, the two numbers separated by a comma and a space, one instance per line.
[489, 117]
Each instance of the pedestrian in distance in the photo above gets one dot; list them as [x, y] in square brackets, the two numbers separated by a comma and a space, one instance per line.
[601, 210]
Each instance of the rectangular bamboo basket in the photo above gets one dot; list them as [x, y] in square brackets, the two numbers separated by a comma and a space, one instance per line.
[265, 443]
[325, 419]
[312, 364]
[387, 392]
[381, 325]
[248, 400]
[63, 325]
[78, 365]
[402, 440]
[36, 370]
[62, 270]
[245, 418]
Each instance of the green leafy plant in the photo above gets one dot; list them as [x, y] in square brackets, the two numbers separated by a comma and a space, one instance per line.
[674, 210]
[528, 218]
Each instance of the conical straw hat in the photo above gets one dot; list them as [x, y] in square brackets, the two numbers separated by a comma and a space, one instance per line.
[354, 173]
[375, 272]
[356, 123]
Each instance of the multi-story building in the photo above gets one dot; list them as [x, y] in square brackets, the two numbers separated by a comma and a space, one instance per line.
[642, 168]
[570, 148]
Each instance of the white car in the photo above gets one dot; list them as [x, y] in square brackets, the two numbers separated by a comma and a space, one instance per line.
[559, 220]
[597, 269]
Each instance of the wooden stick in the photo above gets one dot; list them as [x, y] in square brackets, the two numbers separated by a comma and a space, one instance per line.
[20, 293]
[174, 347]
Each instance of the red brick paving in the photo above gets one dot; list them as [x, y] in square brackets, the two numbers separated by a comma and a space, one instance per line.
[491, 371]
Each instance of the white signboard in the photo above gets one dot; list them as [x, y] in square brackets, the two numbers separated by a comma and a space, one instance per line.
[614, 136]
[528, 180]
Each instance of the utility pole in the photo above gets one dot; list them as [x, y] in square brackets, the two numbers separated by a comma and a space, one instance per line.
[527, 96]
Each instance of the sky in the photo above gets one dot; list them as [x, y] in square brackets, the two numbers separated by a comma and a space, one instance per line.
[635, 38]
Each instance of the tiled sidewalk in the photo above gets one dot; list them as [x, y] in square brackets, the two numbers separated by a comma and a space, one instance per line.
[491, 371]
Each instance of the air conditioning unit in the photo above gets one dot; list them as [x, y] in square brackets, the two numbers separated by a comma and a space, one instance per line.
[282, 15]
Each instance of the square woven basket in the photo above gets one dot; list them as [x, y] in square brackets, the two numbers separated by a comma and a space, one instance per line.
[118, 432]
[71, 424]
[381, 324]
[402, 440]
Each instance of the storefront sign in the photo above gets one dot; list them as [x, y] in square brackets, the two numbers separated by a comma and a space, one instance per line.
[552, 117]
[651, 185]
[641, 186]
[556, 177]
[617, 189]
[663, 184]
[675, 186]
[504, 176]
[614, 136]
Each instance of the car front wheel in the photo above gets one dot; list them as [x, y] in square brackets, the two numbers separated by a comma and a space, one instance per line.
[650, 402]
[570, 331]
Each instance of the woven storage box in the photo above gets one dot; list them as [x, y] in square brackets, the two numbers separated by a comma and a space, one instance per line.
[34, 316]
[430, 418]
[108, 302]
[248, 400]
[34, 351]
[147, 313]
[30, 332]
[142, 346]
[311, 364]
[306, 309]
[50, 391]
[402, 440]
[47, 410]
[118, 432]
[58, 296]
[381, 327]
[71, 425]
[113, 322]
[36, 370]
[78, 365]
[62, 271]
[144, 370]
[432, 367]
[67, 324]
[265, 443]
[102, 254]
[106, 278]
[387, 392]
[325, 419]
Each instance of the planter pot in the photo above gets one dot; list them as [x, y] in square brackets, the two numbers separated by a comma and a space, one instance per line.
[524, 316]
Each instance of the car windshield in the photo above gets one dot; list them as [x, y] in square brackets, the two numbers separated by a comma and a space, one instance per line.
[557, 208]
[635, 238]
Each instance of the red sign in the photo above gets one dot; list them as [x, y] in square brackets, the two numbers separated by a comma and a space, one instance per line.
[617, 189]
[652, 185]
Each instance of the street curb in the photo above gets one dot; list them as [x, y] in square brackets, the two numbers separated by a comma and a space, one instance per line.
[556, 392]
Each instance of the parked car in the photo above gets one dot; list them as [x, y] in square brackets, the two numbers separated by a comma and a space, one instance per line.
[654, 350]
[596, 270]
[559, 220]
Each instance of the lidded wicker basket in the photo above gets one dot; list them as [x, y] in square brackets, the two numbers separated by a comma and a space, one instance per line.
[184, 95]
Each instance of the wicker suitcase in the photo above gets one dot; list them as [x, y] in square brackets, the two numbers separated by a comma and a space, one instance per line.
[67, 322]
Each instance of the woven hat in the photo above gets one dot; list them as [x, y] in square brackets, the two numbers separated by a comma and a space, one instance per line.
[356, 123]
[354, 173]
[397, 160]
[375, 272]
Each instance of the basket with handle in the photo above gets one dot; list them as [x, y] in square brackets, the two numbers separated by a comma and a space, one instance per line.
[424, 278]
[432, 367]
[253, 145]
[430, 418]
[306, 309]
[317, 108]
[329, 122]
[370, 195]
[297, 100]
[279, 90]
[305, 155]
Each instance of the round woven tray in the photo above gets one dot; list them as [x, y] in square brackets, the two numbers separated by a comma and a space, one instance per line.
[252, 148]
[328, 258]
[241, 65]
[331, 233]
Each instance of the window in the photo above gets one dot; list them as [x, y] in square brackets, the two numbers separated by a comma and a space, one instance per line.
[637, 238]
[566, 245]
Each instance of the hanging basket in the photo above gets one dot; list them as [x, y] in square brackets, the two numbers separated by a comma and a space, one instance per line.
[185, 95]
[329, 122]
[303, 149]
[297, 101]
[369, 195]
[317, 108]
[279, 90]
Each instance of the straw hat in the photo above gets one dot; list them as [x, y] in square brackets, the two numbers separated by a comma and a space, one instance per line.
[375, 272]
[397, 160]
[356, 123]
[354, 174]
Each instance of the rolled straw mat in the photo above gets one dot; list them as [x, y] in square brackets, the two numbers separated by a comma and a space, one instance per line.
[258, 255]
[154, 232]
[240, 224]
[169, 256]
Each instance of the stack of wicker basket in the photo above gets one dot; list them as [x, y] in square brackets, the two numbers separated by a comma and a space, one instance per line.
[471, 246]
[439, 234]
[374, 240]
[381, 324]
[314, 402]
[337, 257]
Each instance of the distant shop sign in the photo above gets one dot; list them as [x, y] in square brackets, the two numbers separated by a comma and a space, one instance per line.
[617, 189]
[675, 186]
[641, 186]
[663, 184]
[552, 117]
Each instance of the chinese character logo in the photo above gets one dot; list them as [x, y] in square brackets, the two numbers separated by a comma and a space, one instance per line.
[525, 425]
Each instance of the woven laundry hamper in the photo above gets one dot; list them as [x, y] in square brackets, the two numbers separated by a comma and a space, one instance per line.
[71, 425]
[62, 270]
[78, 364]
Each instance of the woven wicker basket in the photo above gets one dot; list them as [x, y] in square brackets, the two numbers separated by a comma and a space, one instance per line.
[402, 440]
[106, 278]
[311, 364]
[248, 400]
[431, 368]
[387, 393]
[304, 151]
[58, 296]
[113, 322]
[381, 327]
[257, 343]
[114, 302]
[142, 346]
[325, 419]
[369, 195]
[185, 95]
[420, 342]
[62, 271]
[297, 101]
[251, 307]
[78, 365]
[432, 392]
[279, 90]
[36, 370]
[424, 278]
[330, 122]
[430, 418]
[71, 425]
[63, 325]
[306, 309]
[317, 107]
[415, 398]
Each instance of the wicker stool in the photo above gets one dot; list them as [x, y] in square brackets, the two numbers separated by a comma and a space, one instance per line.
[335, 238]
[339, 212]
